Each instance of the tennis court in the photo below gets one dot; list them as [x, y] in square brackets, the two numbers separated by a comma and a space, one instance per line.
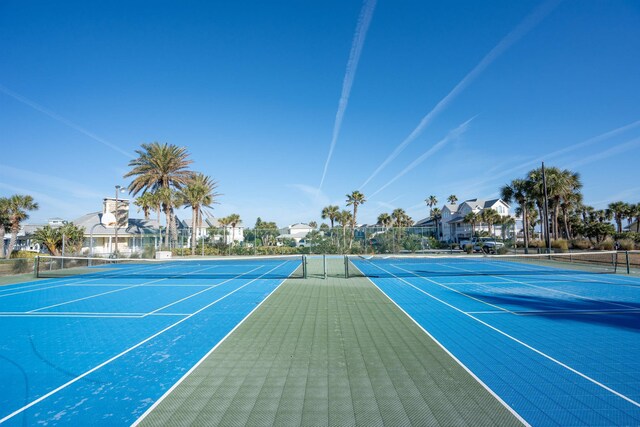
[98, 344]
[559, 344]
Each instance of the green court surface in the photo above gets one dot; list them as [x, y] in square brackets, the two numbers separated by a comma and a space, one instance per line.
[332, 352]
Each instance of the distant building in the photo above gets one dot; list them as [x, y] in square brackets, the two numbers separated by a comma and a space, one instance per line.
[295, 232]
[24, 241]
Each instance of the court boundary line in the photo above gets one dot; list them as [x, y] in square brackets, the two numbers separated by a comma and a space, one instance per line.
[530, 347]
[458, 361]
[199, 362]
[117, 356]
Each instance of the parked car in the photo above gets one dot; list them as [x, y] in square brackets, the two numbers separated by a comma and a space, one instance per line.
[487, 245]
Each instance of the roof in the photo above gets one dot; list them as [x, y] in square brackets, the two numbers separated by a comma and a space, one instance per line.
[136, 226]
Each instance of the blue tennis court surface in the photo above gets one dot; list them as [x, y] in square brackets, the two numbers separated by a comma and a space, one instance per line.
[101, 347]
[560, 347]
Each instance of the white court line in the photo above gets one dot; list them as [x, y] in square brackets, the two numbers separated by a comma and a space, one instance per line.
[115, 290]
[117, 356]
[535, 350]
[548, 289]
[460, 292]
[239, 276]
[85, 314]
[458, 361]
[193, 368]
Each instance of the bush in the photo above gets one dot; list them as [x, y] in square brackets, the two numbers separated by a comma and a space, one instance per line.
[503, 250]
[626, 244]
[468, 248]
[24, 254]
[581, 244]
[560, 245]
[605, 245]
[537, 244]
[22, 265]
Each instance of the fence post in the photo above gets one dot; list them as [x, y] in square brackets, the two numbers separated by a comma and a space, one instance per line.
[36, 262]
[324, 265]
[346, 267]
[626, 255]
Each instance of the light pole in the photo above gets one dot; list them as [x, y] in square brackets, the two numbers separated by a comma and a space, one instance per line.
[118, 190]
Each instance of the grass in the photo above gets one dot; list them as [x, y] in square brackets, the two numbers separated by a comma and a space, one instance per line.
[332, 352]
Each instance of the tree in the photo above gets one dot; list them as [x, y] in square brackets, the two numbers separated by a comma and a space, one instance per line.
[313, 224]
[520, 191]
[159, 166]
[145, 203]
[453, 199]
[355, 199]
[345, 219]
[490, 216]
[619, 211]
[197, 194]
[431, 201]
[52, 238]
[16, 208]
[436, 213]
[224, 223]
[472, 218]
[385, 220]
[49, 237]
[331, 212]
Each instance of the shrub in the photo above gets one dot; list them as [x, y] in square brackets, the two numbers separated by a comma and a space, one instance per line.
[537, 244]
[24, 254]
[626, 244]
[503, 250]
[468, 248]
[560, 245]
[22, 265]
[605, 245]
[581, 244]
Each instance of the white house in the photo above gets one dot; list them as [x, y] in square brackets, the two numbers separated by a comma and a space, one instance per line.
[296, 232]
[453, 227]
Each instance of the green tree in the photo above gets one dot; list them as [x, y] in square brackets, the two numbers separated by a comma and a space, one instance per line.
[49, 237]
[619, 211]
[431, 201]
[160, 166]
[331, 212]
[198, 193]
[16, 208]
[145, 203]
[52, 238]
[355, 199]
[472, 218]
[520, 190]
[453, 199]
[345, 219]
[436, 213]
[385, 220]
[490, 217]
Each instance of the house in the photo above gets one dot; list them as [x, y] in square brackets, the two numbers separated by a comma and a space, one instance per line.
[295, 232]
[23, 239]
[133, 234]
[453, 227]
[633, 227]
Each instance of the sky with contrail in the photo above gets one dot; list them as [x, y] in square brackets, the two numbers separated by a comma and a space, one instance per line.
[352, 65]
[63, 120]
[509, 40]
[451, 136]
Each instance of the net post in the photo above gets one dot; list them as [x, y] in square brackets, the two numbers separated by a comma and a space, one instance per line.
[324, 265]
[626, 256]
[36, 263]
[346, 267]
[304, 266]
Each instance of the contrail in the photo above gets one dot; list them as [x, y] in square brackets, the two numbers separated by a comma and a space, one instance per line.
[61, 119]
[453, 134]
[523, 28]
[352, 64]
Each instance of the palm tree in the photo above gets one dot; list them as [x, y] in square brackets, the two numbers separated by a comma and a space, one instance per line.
[159, 166]
[234, 220]
[313, 224]
[490, 216]
[345, 219]
[505, 223]
[49, 237]
[331, 212]
[431, 201]
[472, 218]
[145, 203]
[355, 199]
[520, 191]
[436, 213]
[198, 193]
[16, 208]
[224, 223]
[385, 220]
[453, 199]
[619, 211]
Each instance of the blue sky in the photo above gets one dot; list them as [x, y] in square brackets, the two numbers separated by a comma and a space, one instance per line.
[416, 98]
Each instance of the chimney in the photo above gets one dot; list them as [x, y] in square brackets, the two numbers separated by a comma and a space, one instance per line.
[109, 211]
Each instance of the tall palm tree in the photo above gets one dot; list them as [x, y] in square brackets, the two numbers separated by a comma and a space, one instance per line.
[331, 212]
[453, 199]
[224, 223]
[355, 199]
[619, 211]
[431, 201]
[436, 213]
[520, 190]
[345, 219]
[197, 194]
[16, 208]
[159, 166]
[234, 221]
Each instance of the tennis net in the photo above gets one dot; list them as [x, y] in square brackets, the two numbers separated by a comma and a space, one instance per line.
[267, 267]
[610, 262]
